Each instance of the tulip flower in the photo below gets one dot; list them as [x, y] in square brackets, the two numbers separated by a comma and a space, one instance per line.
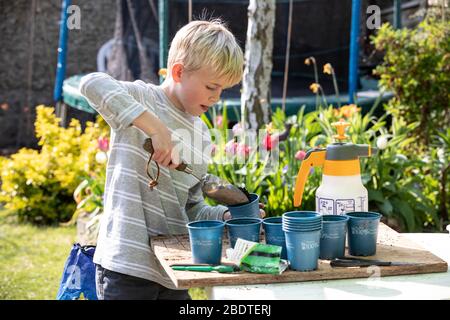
[270, 141]
[103, 143]
[231, 147]
[300, 155]
[237, 129]
[219, 121]
[242, 150]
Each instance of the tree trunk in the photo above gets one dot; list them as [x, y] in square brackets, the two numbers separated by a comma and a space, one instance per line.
[255, 99]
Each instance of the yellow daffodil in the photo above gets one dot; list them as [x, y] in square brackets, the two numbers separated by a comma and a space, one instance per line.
[327, 69]
[314, 87]
[347, 111]
[162, 72]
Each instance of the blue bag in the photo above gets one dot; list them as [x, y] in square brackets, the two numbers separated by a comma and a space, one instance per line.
[79, 275]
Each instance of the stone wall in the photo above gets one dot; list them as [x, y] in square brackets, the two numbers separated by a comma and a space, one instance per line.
[20, 90]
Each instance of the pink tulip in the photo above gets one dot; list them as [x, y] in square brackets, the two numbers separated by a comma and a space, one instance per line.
[219, 121]
[300, 155]
[242, 150]
[103, 144]
[231, 147]
[270, 141]
[237, 129]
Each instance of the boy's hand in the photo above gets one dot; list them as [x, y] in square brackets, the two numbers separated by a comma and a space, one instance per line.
[164, 152]
[262, 213]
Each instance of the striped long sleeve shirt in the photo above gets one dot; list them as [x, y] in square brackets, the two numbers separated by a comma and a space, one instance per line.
[132, 212]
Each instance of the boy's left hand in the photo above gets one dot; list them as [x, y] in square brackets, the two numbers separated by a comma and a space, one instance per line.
[262, 213]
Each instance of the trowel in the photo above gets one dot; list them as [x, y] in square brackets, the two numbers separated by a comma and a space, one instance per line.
[212, 186]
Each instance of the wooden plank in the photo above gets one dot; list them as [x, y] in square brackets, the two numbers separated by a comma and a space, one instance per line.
[391, 246]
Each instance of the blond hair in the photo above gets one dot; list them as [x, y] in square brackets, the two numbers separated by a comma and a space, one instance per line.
[208, 44]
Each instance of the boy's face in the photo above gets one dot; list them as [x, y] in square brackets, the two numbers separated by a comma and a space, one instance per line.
[198, 90]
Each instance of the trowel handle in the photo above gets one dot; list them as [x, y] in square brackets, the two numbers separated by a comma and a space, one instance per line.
[313, 158]
[148, 146]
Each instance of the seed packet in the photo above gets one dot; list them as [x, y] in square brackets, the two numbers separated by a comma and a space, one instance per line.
[257, 257]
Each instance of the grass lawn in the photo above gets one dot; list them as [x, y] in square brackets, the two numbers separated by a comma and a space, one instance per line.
[32, 260]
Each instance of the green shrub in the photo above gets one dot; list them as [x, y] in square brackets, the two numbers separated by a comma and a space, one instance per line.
[416, 68]
[402, 185]
[39, 184]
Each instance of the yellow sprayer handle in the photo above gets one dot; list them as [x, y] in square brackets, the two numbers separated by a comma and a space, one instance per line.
[313, 158]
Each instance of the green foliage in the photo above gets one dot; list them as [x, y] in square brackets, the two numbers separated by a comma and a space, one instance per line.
[403, 186]
[304, 135]
[416, 68]
[241, 168]
[397, 183]
[39, 184]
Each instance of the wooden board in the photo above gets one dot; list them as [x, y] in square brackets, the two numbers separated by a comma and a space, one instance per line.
[391, 246]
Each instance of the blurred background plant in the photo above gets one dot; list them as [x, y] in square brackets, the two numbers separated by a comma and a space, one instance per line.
[409, 188]
[89, 197]
[416, 68]
[38, 184]
[407, 180]
[234, 155]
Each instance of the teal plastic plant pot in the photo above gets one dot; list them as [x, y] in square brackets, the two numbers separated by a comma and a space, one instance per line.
[332, 238]
[301, 217]
[303, 249]
[244, 228]
[205, 237]
[275, 234]
[248, 210]
[363, 233]
[301, 221]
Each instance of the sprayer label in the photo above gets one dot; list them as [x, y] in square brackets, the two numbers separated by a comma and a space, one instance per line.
[326, 206]
[345, 205]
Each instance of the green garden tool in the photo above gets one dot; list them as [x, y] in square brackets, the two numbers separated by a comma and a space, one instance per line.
[206, 268]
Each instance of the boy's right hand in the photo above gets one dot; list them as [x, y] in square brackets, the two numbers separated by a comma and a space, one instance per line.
[164, 152]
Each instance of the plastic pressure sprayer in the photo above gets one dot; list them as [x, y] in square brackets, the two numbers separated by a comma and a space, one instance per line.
[341, 189]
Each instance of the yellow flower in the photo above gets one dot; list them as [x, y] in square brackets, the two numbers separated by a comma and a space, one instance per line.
[348, 110]
[327, 68]
[314, 87]
[162, 72]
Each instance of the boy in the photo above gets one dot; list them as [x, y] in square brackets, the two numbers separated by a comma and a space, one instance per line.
[204, 58]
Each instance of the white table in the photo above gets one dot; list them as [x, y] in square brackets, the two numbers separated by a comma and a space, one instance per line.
[421, 286]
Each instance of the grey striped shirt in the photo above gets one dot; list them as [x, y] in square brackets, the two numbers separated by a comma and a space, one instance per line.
[132, 212]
